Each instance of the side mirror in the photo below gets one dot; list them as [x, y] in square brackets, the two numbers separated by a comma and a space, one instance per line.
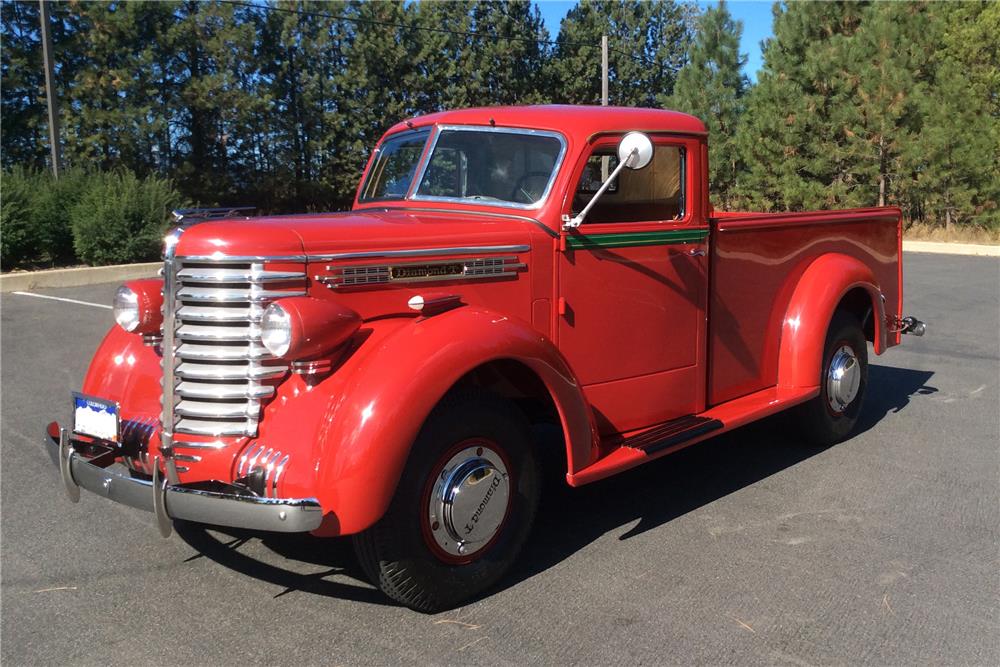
[635, 152]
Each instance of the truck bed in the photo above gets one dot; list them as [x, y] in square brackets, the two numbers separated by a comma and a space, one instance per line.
[757, 260]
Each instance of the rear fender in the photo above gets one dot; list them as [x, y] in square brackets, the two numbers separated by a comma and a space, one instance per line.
[818, 293]
[384, 402]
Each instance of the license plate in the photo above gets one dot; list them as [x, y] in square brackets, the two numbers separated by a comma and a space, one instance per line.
[95, 417]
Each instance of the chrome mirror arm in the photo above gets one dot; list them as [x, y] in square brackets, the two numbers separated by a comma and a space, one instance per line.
[576, 221]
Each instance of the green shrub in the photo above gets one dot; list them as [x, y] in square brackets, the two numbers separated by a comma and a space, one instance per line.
[18, 242]
[121, 218]
[36, 218]
[51, 206]
[88, 216]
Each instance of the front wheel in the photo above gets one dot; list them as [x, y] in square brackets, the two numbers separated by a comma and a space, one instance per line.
[831, 416]
[463, 507]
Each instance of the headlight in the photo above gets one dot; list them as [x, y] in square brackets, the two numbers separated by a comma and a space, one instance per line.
[276, 330]
[304, 328]
[138, 306]
[126, 308]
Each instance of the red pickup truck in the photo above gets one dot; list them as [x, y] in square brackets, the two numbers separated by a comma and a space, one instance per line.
[377, 372]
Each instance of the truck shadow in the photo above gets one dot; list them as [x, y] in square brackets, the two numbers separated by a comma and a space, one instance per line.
[568, 519]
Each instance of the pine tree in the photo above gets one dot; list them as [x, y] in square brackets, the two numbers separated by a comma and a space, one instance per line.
[711, 86]
[378, 84]
[881, 78]
[504, 63]
[22, 108]
[787, 130]
[647, 46]
[955, 161]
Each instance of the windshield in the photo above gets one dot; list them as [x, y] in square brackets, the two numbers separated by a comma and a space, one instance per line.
[507, 167]
[395, 162]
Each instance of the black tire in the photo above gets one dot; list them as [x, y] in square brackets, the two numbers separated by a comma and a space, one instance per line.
[399, 555]
[820, 422]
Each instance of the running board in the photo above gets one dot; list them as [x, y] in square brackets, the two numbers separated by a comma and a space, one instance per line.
[672, 433]
[622, 454]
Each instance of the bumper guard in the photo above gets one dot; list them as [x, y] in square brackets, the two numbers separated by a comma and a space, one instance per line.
[173, 501]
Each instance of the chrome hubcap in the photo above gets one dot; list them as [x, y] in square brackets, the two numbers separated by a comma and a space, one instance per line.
[469, 501]
[843, 379]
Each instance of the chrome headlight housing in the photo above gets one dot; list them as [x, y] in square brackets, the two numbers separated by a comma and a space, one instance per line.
[126, 309]
[276, 330]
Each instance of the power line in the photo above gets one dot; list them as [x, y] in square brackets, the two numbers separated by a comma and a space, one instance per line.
[445, 31]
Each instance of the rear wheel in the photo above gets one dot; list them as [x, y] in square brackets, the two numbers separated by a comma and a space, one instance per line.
[463, 507]
[831, 416]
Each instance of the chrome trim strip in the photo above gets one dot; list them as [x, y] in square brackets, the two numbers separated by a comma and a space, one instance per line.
[224, 295]
[277, 476]
[208, 409]
[242, 470]
[254, 274]
[556, 165]
[369, 254]
[241, 259]
[195, 352]
[286, 515]
[217, 429]
[225, 372]
[421, 252]
[486, 214]
[245, 390]
[200, 445]
[214, 313]
[217, 333]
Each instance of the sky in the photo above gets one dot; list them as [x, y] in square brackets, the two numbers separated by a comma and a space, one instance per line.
[755, 14]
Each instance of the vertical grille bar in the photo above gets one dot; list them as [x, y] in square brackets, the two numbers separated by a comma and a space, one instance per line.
[169, 310]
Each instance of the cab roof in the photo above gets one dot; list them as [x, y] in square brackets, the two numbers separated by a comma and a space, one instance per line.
[578, 120]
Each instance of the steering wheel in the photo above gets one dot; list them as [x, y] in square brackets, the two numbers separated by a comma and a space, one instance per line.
[522, 191]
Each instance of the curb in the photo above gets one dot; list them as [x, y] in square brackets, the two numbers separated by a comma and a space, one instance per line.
[87, 275]
[952, 248]
[92, 275]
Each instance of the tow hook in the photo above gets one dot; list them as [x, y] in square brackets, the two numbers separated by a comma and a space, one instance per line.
[911, 325]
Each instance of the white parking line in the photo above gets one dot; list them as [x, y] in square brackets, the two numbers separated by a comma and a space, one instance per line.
[59, 298]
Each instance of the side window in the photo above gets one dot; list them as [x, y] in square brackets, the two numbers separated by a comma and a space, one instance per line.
[392, 171]
[655, 192]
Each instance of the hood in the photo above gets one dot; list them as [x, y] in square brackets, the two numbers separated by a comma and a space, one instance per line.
[328, 233]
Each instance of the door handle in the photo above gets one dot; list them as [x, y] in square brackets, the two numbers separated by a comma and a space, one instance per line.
[697, 252]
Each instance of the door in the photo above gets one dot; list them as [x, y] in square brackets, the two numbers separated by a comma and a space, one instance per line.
[633, 282]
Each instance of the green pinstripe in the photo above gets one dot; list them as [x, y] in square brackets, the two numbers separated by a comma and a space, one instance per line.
[629, 239]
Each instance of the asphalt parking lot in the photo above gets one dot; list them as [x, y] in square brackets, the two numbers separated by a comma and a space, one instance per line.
[750, 548]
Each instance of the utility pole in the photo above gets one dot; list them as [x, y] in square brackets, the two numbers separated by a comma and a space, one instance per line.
[604, 70]
[50, 88]
[605, 161]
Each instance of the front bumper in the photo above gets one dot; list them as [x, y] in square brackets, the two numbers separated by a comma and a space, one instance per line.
[90, 466]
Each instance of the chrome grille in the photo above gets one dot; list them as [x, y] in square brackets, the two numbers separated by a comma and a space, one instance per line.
[222, 372]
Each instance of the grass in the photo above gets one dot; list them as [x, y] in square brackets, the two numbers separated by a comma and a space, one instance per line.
[959, 234]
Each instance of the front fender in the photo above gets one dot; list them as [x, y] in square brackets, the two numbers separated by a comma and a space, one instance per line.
[382, 405]
[126, 371]
[816, 296]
